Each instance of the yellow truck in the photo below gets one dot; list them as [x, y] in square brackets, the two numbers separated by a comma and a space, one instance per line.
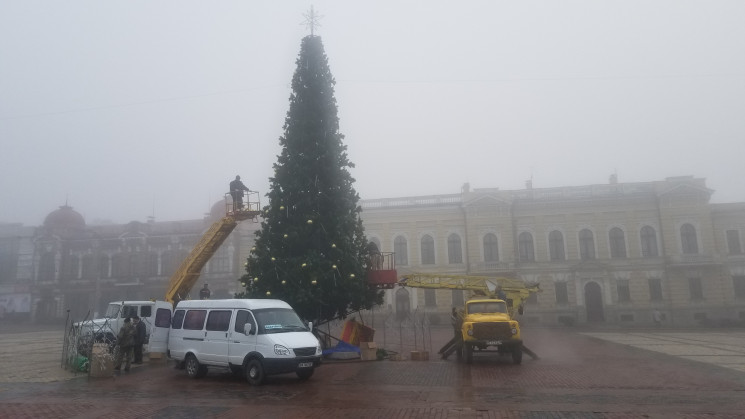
[487, 321]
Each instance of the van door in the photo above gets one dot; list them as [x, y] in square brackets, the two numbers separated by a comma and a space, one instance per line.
[160, 328]
[242, 343]
[217, 331]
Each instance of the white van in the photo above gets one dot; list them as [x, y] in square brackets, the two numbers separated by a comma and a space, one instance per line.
[253, 337]
[156, 315]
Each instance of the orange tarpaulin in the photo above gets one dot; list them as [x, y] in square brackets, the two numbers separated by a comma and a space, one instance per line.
[354, 333]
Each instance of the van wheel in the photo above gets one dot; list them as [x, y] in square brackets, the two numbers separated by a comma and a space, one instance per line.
[517, 355]
[193, 368]
[254, 372]
[305, 374]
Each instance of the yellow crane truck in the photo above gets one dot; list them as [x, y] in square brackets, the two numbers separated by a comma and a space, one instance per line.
[487, 322]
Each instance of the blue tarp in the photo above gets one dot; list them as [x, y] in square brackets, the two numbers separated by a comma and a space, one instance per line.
[342, 347]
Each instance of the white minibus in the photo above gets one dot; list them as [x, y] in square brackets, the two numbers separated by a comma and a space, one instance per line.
[254, 337]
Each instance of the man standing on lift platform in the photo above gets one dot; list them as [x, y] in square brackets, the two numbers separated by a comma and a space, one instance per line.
[236, 191]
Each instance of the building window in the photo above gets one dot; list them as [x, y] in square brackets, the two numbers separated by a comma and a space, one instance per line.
[455, 251]
[695, 288]
[70, 267]
[47, 270]
[733, 242]
[491, 249]
[624, 294]
[220, 262]
[526, 252]
[739, 284]
[430, 299]
[617, 243]
[562, 293]
[428, 250]
[400, 251]
[556, 245]
[586, 245]
[688, 239]
[649, 242]
[457, 298]
[655, 289]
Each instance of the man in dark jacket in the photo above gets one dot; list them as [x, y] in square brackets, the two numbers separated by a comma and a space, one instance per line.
[125, 341]
[140, 336]
[236, 192]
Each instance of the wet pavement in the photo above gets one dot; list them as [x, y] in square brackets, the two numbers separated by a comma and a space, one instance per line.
[582, 374]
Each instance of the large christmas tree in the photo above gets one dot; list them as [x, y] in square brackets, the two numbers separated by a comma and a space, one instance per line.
[311, 250]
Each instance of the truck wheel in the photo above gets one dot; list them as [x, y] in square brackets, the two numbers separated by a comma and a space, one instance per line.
[517, 355]
[193, 368]
[468, 349]
[305, 374]
[254, 372]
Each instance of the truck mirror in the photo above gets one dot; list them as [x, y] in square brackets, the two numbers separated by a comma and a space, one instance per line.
[247, 328]
[310, 326]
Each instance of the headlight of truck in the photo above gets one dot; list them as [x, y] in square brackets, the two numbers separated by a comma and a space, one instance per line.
[281, 350]
[318, 350]
[514, 330]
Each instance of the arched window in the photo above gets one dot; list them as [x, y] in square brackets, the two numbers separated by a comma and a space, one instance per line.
[648, 237]
[400, 251]
[586, 245]
[491, 248]
[526, 252]
[47, 269]
[70, 267]
[617, 242]
[428, 250]
[556, 245]
[375, 242]
[455, 251]
[688, 239]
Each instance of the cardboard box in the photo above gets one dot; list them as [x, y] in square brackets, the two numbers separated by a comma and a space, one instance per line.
[368, 351]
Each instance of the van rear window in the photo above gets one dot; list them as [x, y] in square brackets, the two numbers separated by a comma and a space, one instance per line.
[194, 319]
[163, 317]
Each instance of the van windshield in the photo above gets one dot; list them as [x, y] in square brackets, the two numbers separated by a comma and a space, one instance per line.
[278, 320]
[112, 311]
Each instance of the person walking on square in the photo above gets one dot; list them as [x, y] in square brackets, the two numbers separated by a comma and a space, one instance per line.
[125, 341]
[140, 335]
[236, 191]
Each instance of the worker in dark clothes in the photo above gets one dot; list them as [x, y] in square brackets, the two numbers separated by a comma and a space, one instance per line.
[237, 189]
[140, 337]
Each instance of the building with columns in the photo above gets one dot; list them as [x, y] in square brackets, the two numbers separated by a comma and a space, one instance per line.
[611, 253]
[66, 264]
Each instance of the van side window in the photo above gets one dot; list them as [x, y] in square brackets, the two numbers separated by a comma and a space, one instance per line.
[243, 317]
[219, 320]
[178, 319]
[194, 319]
[146, 311]
[163, 318]
[129, 311]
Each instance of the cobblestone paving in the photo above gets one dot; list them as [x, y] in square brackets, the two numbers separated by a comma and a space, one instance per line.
[590, 375]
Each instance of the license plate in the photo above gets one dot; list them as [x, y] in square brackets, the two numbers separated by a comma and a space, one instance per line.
[494, 342]
[305, 365]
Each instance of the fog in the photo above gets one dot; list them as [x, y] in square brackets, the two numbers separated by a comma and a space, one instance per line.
[130, 109]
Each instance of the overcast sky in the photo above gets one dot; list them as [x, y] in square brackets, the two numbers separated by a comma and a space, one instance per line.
[127, 109]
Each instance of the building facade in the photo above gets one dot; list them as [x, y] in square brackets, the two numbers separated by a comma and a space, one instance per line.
[67, 268]
[612, 253]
